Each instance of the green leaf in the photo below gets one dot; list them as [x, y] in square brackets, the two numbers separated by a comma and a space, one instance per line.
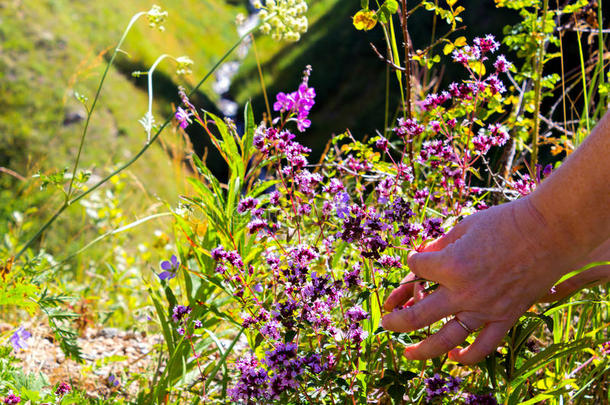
[391, 6]
[248, 139]
[552, 352]
[364, 4]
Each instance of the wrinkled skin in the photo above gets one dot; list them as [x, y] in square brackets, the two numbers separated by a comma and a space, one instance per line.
[491, 268]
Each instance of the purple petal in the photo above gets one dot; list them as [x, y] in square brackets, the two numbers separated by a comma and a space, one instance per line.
[165, 265]
[175, 261]
[166, 275]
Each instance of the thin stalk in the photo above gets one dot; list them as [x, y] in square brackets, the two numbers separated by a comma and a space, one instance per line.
[149, 115]
[538, 91]
[584, 87]
[387, 102]
[563, 95]
[405, 34]
[600, 51]
[67, 203]
[260, 75]
[97, 96]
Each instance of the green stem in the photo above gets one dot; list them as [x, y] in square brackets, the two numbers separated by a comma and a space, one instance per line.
[132, 160]
[600, 52]
[97, 96]
[537, 92]
[584, 89]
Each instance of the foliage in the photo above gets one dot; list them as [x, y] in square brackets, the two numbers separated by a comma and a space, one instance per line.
[274, 288]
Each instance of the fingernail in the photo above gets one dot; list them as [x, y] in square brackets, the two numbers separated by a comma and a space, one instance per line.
[408, 354]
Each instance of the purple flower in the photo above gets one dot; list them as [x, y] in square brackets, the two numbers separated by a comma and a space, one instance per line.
[63, 389]
[253, 381]
[180, 311]
[390, 261]
[247, 204]
[382, 143]
[502, 65]
[432, 228]
[183, 117]
[355, 314]
[12, 399]
[487, 44]
[197, 324]
[352, 278]
[356, 335]
[435, 387]
[485, 399]
[298, 102]
[113, 381]
[256, 225]
[314, 363]
[218, 253]
[274, 198]
[453, 384]
[170, 267]
[18, 339]
[408, 128]
[495, 85]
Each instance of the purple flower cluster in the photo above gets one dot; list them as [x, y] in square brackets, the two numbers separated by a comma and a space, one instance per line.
[495, 135]
[62, 389]
[298, 103]
[180, 312]
[408, 129]
[437, 386]
[183, 117]
[285, 367]
[12, 399]
[483, 399]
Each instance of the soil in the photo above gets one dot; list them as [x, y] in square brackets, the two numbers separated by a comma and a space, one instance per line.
[106, 352]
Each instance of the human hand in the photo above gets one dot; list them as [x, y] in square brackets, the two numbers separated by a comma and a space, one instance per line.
[588, 278]
[491, 268]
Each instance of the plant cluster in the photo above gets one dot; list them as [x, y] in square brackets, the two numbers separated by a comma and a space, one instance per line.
[275, 290]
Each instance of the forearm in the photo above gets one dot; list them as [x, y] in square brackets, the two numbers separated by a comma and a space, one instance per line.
[574, 201]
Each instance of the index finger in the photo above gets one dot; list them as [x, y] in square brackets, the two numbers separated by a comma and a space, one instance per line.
[423, 313]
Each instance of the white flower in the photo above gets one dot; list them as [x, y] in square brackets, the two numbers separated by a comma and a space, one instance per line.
[156, 17]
